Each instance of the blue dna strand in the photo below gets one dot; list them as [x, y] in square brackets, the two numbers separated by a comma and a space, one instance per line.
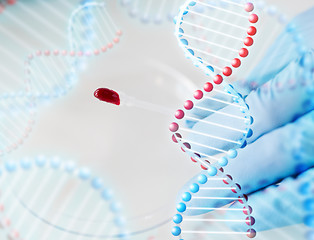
[39, 200]
[17, 117]
[91, 29]
[293, 195]
[152, 11]
[209, 219]
[37, 207]
[212, 150]
[51, 72]
[216, 35]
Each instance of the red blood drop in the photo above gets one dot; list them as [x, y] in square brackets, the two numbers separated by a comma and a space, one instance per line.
[107, 95]
[248, 41]
[251, 31]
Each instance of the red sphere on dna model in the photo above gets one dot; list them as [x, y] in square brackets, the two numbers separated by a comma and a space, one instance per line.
[236, 62]
[248, 41]
[253, 18]
[251, 233]
[251, 31]
[227, 71]
[173, 127]
[208, 87]
[243, 52]
[218, 79]
[198, 94]
[188, 105]
[179, 114]
[249, 7]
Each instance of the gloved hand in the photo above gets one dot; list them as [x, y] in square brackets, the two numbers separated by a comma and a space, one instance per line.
[278, 206]
[282, 144]
[290, 44]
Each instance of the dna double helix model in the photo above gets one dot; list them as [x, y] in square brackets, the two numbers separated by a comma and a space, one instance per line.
[212, 47]
[51, 73]
[218, 37]
[34, 189]
[31, 211]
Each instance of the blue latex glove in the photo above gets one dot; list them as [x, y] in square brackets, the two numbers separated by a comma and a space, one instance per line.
[282, 144]
[293, 195]
[291, 43]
